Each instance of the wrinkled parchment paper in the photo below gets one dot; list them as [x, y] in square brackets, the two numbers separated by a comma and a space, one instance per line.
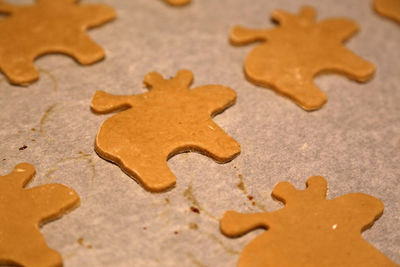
[353, 141]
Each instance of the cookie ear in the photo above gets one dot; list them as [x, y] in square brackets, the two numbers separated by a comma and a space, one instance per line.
[283, 191]
[281, 16]
[153, 80]
[308, 13]
[184, 78]
[317, 185]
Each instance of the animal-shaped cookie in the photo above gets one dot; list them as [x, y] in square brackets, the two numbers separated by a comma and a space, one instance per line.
[161, 123]
[310, 230]
[388, 8]
[177, 2]
[22, 211]
[48, 26]
[299, 49]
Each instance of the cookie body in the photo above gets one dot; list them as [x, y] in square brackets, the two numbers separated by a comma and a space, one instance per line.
[291, 55]
[48, 26]
[310, 230]
[169, 119]
[23, 211]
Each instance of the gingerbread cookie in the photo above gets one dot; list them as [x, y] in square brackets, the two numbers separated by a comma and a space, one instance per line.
[292, 54]
[48, 26]
[388, 8]
[177, 2]
[22, 211]
[310, 230]
[159, 124]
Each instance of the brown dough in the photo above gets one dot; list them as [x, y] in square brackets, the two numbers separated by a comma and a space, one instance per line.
[388, 8]
[22, 211]
[162, 123]
[49, 26]
[177, 2]
[292, 54]
[310, 230]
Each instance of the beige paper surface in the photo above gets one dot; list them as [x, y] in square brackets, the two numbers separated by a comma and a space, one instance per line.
[353, 141]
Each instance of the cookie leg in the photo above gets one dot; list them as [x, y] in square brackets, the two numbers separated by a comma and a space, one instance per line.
[214, 142]
[84, 50]
[257, 254]
[305, 94]
[32, 250]
[19, 71]
[151, 171]
[42, 257]
[352, 66]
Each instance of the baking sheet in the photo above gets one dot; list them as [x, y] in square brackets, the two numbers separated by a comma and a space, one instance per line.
[353, 141]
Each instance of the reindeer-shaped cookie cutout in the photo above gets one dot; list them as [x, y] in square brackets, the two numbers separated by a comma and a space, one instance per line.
[161, 123]
[300, 48]
[22, 211]
[177, 2]
[48, 26]
[310, 230]
[388, 8]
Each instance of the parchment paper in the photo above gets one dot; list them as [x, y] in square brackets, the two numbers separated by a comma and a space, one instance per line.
[353, 141]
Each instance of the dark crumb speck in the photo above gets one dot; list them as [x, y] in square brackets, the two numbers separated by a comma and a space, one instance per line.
[33, 129]
[33, 140]
[250, 197]
[193, 226]
[23, 147]
[176, 232]
[4, 159]
[195, 210]
[145, 228]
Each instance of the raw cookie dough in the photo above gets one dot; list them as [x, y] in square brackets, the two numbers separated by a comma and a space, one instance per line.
[22, 211]
[177, 2]
[299, 49]
[48, 26]
[310, 230]
[159, 124]
[388, 8]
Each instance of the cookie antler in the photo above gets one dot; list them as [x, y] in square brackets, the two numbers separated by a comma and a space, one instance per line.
[182, 80]
[306, 15]
[287, 193]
